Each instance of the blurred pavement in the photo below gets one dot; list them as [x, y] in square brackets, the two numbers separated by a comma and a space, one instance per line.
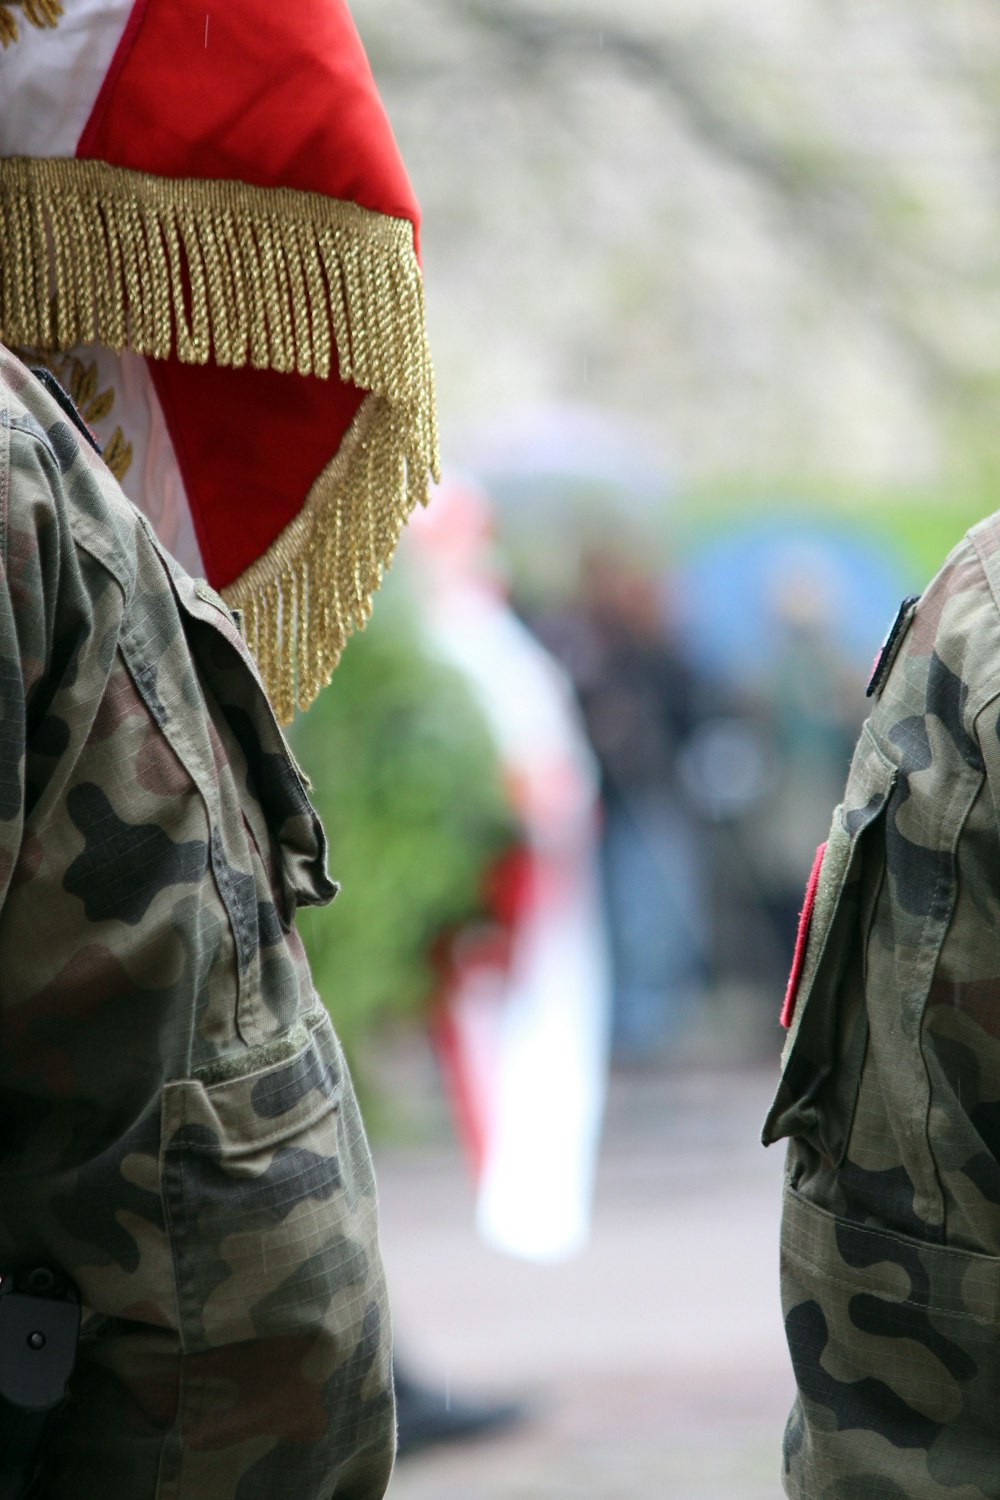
[653, 1365]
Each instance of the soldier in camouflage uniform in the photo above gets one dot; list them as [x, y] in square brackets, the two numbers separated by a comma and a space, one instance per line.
[178, 1129]
[890, 1092]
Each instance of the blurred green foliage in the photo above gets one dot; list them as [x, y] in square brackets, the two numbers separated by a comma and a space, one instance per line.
[407, 781]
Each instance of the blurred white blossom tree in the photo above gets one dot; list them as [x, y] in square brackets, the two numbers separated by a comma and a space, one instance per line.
[767, 233]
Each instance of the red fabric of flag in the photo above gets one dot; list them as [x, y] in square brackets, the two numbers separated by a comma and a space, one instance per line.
[266, 95]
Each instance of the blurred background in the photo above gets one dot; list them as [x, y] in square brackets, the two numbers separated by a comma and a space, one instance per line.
[714, 299]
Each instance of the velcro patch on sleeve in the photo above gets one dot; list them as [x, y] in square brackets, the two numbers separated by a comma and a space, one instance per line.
[802, 939]
[891, 644]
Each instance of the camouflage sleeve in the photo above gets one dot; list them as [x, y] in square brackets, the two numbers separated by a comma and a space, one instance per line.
[178, 1129]
[32, 545]
[890, 1091]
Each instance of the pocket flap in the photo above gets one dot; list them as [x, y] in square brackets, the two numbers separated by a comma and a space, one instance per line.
[230, 672]
[824, 1004]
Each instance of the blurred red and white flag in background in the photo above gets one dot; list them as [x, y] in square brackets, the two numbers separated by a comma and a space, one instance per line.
[522, 1022]
[208, 234]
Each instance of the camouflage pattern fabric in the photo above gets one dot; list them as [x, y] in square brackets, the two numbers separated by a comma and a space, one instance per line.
[177, 1128]
[890, 1091]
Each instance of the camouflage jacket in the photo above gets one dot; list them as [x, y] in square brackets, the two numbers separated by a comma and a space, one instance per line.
[890, 1092]
[177, 1130]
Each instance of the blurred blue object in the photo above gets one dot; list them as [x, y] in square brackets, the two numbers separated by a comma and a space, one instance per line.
[736, 594]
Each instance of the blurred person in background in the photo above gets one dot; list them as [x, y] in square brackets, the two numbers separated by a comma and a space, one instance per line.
[890, 1089]
[640, 702]
[775, 618]
[804, 706]
[523, 1009]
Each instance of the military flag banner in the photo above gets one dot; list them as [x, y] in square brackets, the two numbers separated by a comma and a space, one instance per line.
[208, 234]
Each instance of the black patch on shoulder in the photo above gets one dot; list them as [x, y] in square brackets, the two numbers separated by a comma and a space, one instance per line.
[891, 645]
[65, 400]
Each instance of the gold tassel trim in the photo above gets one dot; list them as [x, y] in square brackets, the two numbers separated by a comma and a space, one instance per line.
[40, 13]
[204, 268]
[314, 585]
[274, 278]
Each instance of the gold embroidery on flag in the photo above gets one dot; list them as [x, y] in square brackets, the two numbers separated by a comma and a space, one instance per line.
[79, 379]
[39, 12]
[117, 454]
[276, 278]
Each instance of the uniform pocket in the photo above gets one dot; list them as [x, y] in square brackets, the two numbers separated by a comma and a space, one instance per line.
[268, 1192]
[896, 1358]
[823, 1057]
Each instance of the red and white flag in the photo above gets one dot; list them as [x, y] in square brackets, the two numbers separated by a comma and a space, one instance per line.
[207, 232]
[521, 1023]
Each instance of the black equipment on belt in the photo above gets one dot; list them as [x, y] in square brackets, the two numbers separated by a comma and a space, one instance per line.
[39, 1328]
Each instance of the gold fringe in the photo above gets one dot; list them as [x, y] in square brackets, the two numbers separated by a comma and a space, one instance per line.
[315, 583]
[203, 268]
[39, 12]
[279, 279]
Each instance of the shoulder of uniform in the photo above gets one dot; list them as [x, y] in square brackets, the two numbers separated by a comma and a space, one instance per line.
[985, 535]
[949, 635]
[27, 423]
[963, 607]
[24, 426]
[982, 546]
[39, 414]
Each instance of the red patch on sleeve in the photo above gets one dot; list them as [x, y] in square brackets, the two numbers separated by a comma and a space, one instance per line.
[801, 939]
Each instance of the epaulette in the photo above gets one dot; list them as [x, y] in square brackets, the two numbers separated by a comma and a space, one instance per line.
[65, 400]
[891, 645]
